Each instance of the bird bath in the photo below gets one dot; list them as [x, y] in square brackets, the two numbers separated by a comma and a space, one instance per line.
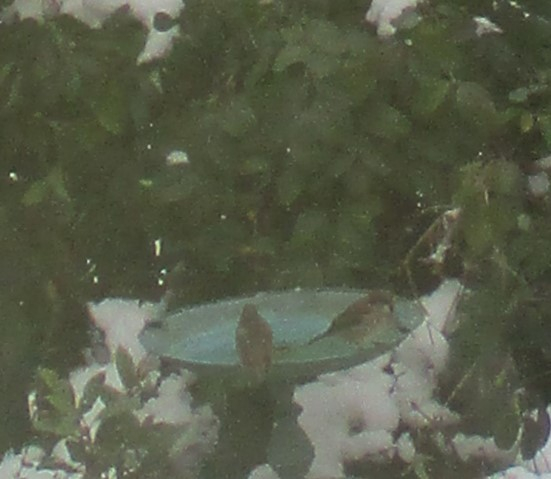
[202, 339]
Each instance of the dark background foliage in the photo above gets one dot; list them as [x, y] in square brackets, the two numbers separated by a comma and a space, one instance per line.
[319, 155]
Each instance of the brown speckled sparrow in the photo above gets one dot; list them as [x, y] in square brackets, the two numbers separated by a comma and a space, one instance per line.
[253, 341]
[363, 317]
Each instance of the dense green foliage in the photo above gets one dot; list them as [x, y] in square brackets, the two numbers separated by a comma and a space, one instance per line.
[319, 155]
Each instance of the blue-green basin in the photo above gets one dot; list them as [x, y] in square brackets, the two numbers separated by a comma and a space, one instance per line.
[202, 337]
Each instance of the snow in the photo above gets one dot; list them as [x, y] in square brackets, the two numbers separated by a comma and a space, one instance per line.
[352, 414]
[382, 14]
[122, 320]
[95, 12]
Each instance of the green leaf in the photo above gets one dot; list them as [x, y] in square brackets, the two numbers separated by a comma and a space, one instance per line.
[53, 184]
[325, 35]
[56, 410]
[288, 56]
[269, 44]
[358, 81]
[93, 389]
[5, 71]
[172, 187]
[432, 93]
[507, 424]
[59, 391]
[254, 165]
[319, 44]
[309, 227]
[534, 436]
[121, 405]
[544, 125]
[520, 95]
[35, 193]
[118, 432]
[486, 226]
[503, 177]
[476, 106]
[321, 64]
[60, 426]
[15, 92]
[289, 187]
[526, 122]
[238, 118]
[387, 122]
[111, 108]
[126, 369]
[490, 196]
[299, 269]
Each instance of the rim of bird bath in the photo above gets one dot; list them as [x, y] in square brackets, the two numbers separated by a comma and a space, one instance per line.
[202, 337]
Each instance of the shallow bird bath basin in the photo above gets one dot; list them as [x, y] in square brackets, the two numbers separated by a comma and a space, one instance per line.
[202, 337]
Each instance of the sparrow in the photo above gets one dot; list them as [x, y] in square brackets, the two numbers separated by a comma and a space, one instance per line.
[253, 341]
[363, 317]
